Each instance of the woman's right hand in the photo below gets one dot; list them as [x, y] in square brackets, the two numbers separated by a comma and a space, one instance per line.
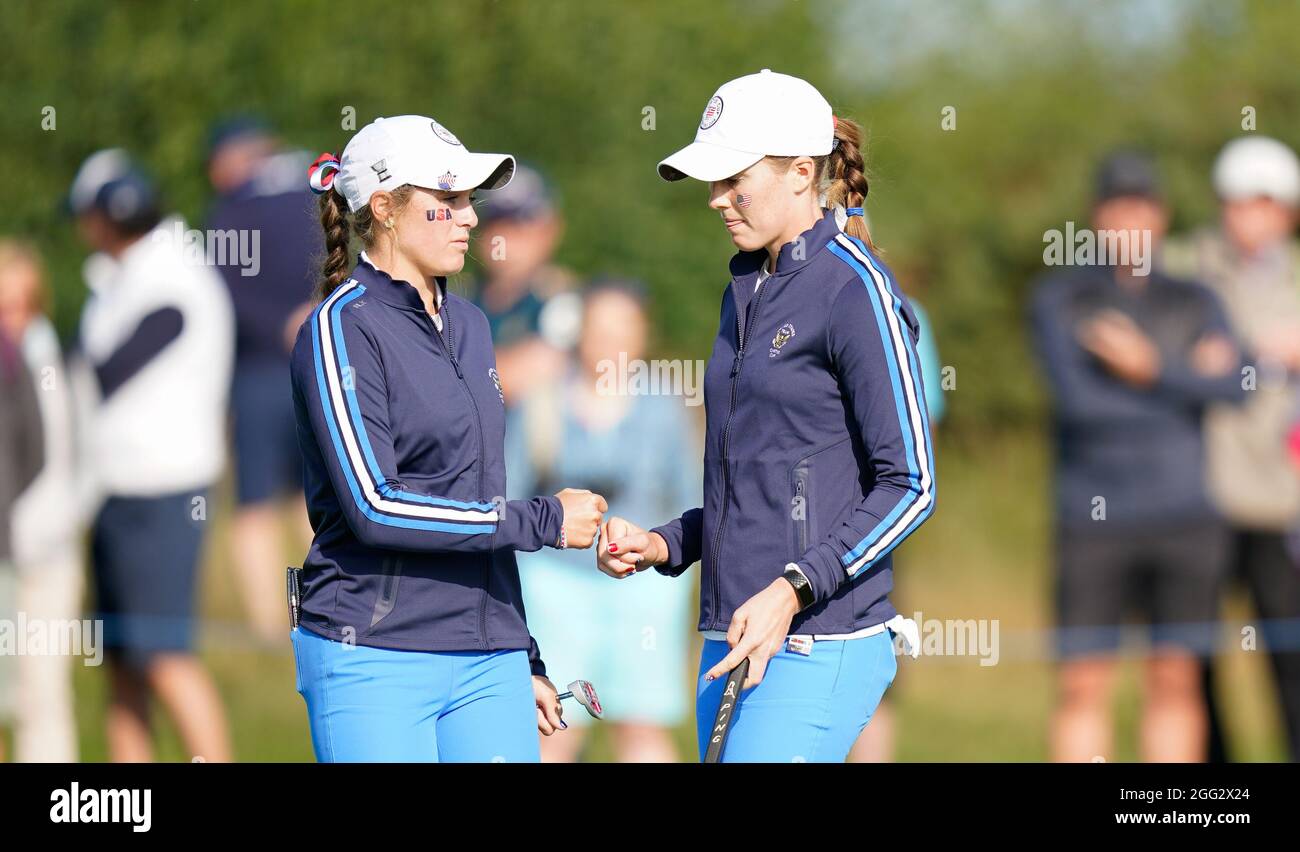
[625, 548]
[583, 511]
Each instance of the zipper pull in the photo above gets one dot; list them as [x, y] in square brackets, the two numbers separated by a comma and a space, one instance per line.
[735, 366]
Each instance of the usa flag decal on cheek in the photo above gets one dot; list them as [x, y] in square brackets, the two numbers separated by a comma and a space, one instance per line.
[743, 200]
[442, 214]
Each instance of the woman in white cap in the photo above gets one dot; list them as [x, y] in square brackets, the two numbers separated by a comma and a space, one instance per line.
[1252, 261]
[817, 457]
[410, 637]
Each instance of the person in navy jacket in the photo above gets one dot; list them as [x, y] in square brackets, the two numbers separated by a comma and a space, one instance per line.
[412, 642]
[817, 458]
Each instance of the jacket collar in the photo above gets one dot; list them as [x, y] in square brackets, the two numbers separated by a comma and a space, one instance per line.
[393, 291]
[794, 255]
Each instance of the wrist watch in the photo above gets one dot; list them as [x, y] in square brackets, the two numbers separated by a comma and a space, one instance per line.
[802, 588]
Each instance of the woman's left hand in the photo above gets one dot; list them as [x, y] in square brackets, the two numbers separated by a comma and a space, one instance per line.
[758, 629]
[549, 711]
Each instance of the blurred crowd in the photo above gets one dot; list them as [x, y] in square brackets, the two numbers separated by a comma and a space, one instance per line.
[1177, 468]
[1177, 464]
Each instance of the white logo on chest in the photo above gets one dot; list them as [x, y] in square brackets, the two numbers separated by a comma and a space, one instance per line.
[783, 335]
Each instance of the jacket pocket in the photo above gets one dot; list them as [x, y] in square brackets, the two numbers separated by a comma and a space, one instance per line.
[819, 486]
[801, 508]
[387, 597]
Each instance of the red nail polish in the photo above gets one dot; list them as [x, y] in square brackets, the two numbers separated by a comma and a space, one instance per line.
[613, 548]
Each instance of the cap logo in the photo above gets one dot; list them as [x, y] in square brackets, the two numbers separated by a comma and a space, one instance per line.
[443, 133]
[446, 180]
[712, 112]
[380, 169]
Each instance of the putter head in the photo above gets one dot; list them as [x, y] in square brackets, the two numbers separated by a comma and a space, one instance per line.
[585, 694]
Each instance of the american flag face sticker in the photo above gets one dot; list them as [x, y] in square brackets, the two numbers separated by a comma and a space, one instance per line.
[446, 180]
[442, 214]
[743, 200]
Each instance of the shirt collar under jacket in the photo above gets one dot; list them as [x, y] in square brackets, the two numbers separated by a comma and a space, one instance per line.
[746, 265]
[393, 291]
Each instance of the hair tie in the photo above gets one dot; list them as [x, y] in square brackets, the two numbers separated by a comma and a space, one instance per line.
[320, 174]
[854, 211]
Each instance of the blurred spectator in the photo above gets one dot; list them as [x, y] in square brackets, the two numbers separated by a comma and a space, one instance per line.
[1132, 361]
[576, 430]
[530, 310]
[156, 332]
[21, 456]
[47, 547]
[1251, 260]
[263, 191]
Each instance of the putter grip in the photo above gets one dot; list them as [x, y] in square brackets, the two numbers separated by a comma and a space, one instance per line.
[726, 708]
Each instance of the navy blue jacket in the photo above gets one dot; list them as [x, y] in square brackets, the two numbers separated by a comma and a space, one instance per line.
[402, 430]
[1140, 449]
[818, 447]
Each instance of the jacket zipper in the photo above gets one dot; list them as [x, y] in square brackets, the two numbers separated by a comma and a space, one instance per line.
[450, 347]
[800, 492]
[742, 335]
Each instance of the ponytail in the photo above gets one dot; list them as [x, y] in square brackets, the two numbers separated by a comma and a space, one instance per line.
[334, 221]
[847, 176]
[337, 236]
[340, 225]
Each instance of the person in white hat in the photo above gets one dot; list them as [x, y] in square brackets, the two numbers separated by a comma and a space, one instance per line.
[818, 460]
[409, 629]
[1252, 261]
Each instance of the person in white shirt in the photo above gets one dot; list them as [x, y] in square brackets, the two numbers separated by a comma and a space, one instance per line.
[157, 334]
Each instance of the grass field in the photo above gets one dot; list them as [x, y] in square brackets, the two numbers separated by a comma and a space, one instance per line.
[982, 556]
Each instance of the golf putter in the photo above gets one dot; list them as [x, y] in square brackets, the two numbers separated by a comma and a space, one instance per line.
[585, 694]
[722, 722]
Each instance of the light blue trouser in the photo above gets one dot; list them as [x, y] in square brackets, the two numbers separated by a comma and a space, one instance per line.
[376, 704]
[807, 708]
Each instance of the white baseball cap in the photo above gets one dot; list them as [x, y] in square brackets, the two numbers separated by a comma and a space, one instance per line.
[414, 149]
[1254, 166]
[752, 117]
